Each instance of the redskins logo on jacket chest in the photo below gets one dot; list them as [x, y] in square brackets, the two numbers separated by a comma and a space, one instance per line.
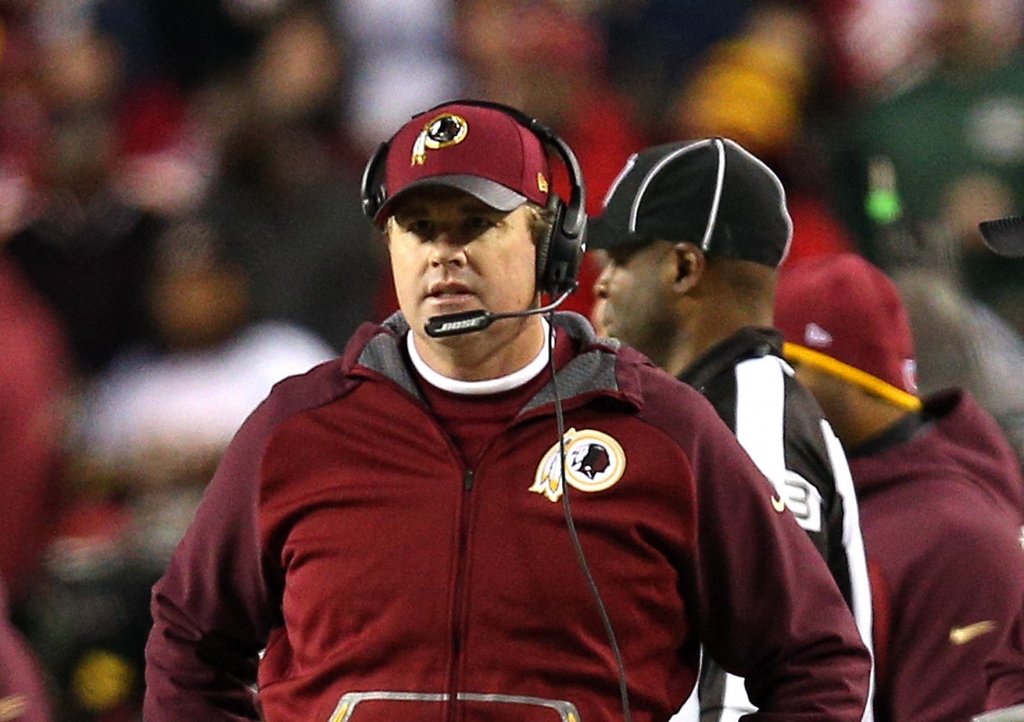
[594, 461]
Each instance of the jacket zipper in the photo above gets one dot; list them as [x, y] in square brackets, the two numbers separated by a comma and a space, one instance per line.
[458, 604]
[459, 610]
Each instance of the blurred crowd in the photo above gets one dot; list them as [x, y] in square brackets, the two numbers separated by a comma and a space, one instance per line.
[180, 223]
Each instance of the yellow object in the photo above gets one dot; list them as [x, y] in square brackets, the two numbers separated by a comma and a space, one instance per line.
[102, 680]
[749, 90]
[963, 635]
[13, 707]
[866, 381]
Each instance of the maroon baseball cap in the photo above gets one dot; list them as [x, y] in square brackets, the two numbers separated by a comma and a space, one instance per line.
[481, 150]
[840, 308]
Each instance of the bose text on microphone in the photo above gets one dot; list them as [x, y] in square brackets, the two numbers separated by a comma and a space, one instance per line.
[453, 324]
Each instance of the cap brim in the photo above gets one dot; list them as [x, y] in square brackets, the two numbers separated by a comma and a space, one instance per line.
[495, 195]
[1004, 236]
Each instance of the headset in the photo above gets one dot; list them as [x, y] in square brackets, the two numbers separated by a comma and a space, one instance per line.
[560, 252]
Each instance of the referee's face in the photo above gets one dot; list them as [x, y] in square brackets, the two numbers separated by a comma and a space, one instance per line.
[635, 297]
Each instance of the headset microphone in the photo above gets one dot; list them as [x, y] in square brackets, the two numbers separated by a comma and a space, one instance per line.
[455, 324]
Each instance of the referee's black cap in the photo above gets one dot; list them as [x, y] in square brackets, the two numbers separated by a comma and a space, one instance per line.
[711, 192]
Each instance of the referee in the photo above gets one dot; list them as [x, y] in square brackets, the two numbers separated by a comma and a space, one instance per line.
[692, 234]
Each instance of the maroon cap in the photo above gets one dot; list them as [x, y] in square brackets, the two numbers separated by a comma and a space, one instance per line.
[841, 307]
[481, 150]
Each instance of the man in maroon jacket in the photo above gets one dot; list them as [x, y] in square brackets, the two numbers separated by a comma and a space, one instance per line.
[940, 490]
[390, 536]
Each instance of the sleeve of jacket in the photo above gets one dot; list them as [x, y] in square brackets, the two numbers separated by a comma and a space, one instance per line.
[212, 609]
[768, 608]
[1005, 667]
[953, 611]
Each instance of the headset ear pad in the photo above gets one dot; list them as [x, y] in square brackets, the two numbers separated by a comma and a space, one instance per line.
[372, 190]
[559, 255]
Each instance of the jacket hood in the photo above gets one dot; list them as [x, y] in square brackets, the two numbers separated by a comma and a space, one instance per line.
[601, 366]
[961, 440]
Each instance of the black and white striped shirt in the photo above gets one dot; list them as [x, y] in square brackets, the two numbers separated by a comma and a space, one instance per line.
[781, 426]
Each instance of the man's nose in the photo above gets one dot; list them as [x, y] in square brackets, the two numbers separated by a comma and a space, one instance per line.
[447, 249]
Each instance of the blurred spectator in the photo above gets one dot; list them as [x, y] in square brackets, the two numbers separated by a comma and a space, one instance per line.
[964, 343]
[960, 341]
[34, 393]
[402, 61]
[32, 387]
[956, 142]
[754, 84]
[85, 251]
[286, 201]
[24, 692]
[196, 41]
[167, 158]
[758, 87]
[654, 45]
[549, 60]
[941, 492]
[150, 432]
[23, 120]
[35, 365]
[875, 45]
[88, 621]
[35, 371]
[101, 57]
[161, 414]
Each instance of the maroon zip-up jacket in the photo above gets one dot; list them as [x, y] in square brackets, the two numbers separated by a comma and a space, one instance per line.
[389, 582]
[941, 511]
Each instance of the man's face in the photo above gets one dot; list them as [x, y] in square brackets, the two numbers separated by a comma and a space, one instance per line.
[451, 252]
[635, 300]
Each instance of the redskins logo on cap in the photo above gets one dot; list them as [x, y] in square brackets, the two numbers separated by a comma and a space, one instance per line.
[594, 462]
[442, 131]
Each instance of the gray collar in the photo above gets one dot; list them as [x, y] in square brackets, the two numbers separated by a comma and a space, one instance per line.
[592, 370]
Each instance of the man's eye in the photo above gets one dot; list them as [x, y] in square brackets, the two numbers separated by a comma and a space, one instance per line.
[420, 227]
[480, 223]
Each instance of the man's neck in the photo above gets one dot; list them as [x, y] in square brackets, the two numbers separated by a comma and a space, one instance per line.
[708, 328]
[868, 419]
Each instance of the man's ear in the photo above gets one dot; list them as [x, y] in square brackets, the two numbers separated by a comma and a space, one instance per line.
[690, 264]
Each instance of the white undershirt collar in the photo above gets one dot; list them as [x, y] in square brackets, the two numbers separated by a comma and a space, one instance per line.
[487, 386]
